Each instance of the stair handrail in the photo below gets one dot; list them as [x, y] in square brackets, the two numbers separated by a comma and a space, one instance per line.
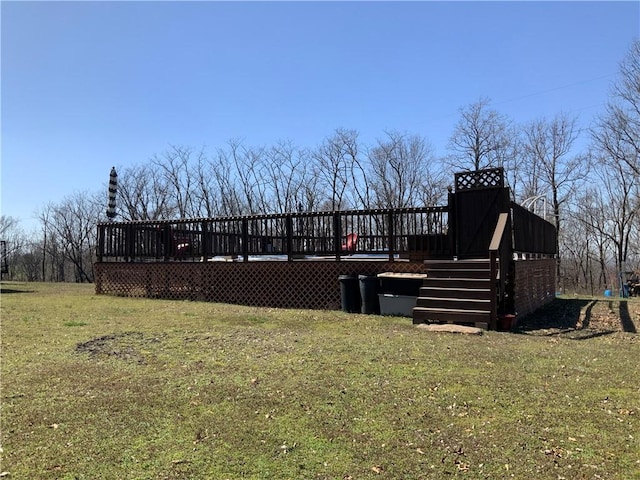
[494, 248]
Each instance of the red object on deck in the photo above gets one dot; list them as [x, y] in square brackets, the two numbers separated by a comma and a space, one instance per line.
[350, 245]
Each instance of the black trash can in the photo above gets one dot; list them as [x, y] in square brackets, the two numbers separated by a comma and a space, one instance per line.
[369, 293]
[349, 293]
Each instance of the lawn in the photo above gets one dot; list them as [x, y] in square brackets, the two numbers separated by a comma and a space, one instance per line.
[119, 388]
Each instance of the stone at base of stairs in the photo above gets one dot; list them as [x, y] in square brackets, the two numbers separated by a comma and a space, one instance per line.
[450, 328]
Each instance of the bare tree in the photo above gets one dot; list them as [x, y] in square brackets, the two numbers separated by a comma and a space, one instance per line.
[206, 195]
[400, 164]
[586, 242]
[334, 159]
[175, 168]
[357, 191]
[143, 194]
[7, 224]
[284, 164]
[547, 148]
[482, 138]
[246, 177]
[44, 217]
[619, 206]
[617, 131]
[575, 251]
[434, 188]
[633, 256]
[13, 235]
[73, 221]
[226, 183]
[53, 261]
[310, 195]
[616, 142]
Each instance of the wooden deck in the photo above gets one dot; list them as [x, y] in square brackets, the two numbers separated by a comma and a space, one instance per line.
[294, 260]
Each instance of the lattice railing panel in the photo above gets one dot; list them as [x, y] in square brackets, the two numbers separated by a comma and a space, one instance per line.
[490, 178]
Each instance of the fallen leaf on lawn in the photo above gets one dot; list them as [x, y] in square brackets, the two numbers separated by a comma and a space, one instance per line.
[376, 469]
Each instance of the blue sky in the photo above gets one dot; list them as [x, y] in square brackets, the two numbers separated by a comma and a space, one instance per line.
[88, 85]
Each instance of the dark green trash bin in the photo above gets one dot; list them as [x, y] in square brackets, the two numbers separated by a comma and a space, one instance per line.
[369, 294]
[349, 293]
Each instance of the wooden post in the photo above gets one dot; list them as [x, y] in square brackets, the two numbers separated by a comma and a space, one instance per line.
[168, 244]
[245, 239]
[391, 238]
[129, 243]
[206, 243]
[289, 232]
[100, 251]
[496, 248]
[337, 234]
[452, 227]
[493, 319]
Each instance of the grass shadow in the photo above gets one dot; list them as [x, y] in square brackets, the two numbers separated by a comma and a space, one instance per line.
[569, 317]
[559, 314]
[625, 318]
[5, 290]
[587, 314]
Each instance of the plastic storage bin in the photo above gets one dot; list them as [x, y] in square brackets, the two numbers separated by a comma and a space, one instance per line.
[397, 305]
[401, 283]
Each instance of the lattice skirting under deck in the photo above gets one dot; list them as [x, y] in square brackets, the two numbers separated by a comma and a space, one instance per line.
[535, 284]
[313, 285]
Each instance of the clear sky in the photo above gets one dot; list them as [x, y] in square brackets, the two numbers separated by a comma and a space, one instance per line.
[89, 85]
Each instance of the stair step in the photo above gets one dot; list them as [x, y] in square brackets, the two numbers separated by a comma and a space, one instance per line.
[451, 310]
[459, 273]
[478, 266]
[457, 277]
[457, 264]
[440, 315]
[437, 306]
[465, 304]
[457, 283]
[444, 292]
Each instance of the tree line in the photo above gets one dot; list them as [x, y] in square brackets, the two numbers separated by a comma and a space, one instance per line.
[592, 196]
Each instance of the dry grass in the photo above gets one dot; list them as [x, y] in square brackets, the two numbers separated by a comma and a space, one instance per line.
[104, 387]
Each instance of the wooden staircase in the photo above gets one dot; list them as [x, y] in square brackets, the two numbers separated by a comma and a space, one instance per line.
[456, 291]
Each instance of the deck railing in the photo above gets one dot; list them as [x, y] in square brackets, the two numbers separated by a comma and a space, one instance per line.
[393, 233]
[532, 233]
